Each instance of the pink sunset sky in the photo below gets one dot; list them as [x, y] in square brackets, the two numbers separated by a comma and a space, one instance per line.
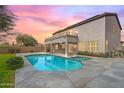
[41, 21]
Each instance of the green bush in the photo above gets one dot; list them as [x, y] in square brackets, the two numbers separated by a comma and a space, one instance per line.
[15, 63]
[106, 54]
[80, 53]
[112, 54]
[100, 54]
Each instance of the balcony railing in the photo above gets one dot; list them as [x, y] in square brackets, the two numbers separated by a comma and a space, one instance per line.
[61, 35]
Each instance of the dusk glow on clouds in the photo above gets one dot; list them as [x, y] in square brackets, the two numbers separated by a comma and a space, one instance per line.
[41, 21]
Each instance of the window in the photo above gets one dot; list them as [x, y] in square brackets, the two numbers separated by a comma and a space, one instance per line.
[56, 47]
[83, 46]
[91, 46]
[79, 46]
[106, 45]
[96, 46]
[63, 45]
[113, 28]
[86, 46]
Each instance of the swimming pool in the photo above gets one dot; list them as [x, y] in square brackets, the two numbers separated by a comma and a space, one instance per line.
[47, 62]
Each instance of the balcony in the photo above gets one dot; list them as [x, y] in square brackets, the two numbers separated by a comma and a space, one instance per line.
[63, 35]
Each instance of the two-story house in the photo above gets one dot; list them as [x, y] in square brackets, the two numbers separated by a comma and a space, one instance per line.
[98, 34]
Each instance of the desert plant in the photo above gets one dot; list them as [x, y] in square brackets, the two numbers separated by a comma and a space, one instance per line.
[15, 63]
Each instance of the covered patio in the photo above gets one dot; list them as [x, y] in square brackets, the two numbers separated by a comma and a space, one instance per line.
[67, 45]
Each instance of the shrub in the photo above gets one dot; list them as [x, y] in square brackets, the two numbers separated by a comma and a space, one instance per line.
[106, 54]
[100, 54]
[80, 53]
[15, 63]
[113, 53]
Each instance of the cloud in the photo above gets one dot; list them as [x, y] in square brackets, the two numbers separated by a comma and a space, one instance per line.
[42, 21]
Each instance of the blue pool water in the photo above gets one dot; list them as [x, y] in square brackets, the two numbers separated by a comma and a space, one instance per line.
[47, 62]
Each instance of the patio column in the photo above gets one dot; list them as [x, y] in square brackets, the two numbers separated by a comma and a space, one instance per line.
[66, 46]
[58, 48]
[76, 48]
[51, 48]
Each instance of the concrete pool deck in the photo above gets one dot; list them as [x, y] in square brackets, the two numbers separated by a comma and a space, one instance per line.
[96, 73]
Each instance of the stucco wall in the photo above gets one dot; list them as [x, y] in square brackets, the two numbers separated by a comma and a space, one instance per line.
[94, 30]
[113, 37]
[22, 49]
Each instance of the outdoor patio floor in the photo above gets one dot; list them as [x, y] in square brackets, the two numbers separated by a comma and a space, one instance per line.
[96, 73]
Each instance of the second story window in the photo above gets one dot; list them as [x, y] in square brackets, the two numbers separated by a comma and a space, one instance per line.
[113, 28]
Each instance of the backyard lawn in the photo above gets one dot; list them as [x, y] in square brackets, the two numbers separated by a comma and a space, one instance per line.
[6, 76]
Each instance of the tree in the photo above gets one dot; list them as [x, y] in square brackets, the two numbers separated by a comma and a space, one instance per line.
[7, 19]
[4, 44]
[26, 40]
[7, 22]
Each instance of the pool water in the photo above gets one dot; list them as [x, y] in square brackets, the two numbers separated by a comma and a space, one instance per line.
[47, 62]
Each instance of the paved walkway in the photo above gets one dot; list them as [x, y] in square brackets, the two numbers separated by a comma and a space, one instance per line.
[98, 72]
